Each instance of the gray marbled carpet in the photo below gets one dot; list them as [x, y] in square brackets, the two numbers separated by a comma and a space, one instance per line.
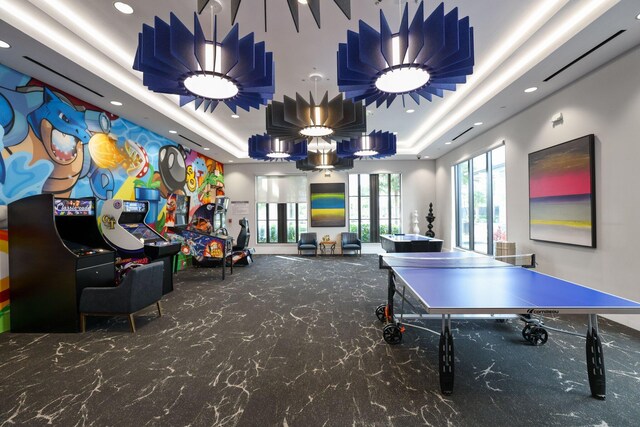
[292, 341]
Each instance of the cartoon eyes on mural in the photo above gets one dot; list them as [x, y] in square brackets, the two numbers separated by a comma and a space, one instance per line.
[64, 118]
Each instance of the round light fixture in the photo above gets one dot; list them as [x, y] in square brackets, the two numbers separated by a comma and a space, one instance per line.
[448, 143]
[206, 148]
[316, 131]
[4, 45]
[530, 89]
[173, 131]
[365, 153]
[123, 8]
[402, 80]
[235, 116]
[211, 86]
[478, 124]
[410, 110]
[638, 16]
[277, 155]
[302, 1]
[116, 103]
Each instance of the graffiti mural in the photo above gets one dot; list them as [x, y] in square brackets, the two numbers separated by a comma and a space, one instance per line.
[52, 142]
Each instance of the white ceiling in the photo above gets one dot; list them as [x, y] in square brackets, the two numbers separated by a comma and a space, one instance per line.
[517, 45]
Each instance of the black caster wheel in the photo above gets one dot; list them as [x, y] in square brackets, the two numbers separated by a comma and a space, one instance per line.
[539, 336]
[526, 332]
[380, 312]
[392, 334]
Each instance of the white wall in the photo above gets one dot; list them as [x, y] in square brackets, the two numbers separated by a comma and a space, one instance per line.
[607, 104]
[418, 181]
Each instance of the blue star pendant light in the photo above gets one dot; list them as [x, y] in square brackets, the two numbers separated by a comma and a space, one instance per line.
[422, 59]
[376, 145]
[266, 147]
[235, 71]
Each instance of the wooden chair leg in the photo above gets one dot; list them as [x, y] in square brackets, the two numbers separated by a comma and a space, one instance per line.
[159, 309]
[132, 324]
[83, 323]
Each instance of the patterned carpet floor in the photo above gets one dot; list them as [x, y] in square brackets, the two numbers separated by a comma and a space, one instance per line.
[293, 341]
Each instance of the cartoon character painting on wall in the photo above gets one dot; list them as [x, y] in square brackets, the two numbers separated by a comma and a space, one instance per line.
[204, 177]
[44, 142]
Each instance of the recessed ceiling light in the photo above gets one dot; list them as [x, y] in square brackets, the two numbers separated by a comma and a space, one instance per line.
[173, 131]
[530, 89]
[123, 8]
[235, 116]
[4, 44]
[230, 161]
[206, 148]
[638, 16]
[395, 133]
[478, 124]
[426, 157]
[302, 1]
[116, 103]
[410, 110]
[448, 143]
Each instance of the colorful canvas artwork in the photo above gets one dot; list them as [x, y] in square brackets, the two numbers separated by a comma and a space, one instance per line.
[327, 205]
[562, 193]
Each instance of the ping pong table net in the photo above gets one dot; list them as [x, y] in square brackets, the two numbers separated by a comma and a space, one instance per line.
[463, 260]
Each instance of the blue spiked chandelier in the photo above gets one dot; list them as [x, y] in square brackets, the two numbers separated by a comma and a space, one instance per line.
[235, 71]
[422, 59]
[376, 145]
[265, 147]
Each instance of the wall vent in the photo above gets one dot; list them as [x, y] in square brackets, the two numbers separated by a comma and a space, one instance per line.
[589, 52]
[462, 133]
[62, 75]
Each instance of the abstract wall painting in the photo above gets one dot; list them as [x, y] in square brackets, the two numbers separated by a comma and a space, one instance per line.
[328, 205]
[562, 195]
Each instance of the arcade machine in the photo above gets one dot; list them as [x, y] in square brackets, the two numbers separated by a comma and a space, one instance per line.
[220, 215]
[178, 215]
[124, 229]
[55, 251]
[209, 245]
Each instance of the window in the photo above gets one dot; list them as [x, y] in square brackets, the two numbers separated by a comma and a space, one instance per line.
[281, 222]
[375, 205]
[480, 197]
[281, 207]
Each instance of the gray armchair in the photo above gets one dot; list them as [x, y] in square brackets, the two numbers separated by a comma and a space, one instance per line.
[140, 288]
[350, 242]
[308, 242]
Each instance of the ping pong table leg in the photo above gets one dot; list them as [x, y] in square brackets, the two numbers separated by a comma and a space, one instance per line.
[391, 291]
[595, 360]
[445, 354]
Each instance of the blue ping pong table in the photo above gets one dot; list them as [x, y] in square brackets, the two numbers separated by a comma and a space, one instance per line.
[459, 283]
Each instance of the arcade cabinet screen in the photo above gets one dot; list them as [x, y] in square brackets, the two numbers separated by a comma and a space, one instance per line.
[141, 231]
[140, 207]
[73, 207]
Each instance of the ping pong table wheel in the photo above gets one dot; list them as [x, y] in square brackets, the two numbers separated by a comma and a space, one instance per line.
[380, 312]
[392, 334]
[539, 336]
[535, 335]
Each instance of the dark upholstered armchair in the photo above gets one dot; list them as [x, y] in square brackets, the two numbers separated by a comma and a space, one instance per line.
[350, 242]
[308, 242]
[140, 288]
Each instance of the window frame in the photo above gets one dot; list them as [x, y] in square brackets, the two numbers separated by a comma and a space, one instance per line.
[281, 221]
[471, 211]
